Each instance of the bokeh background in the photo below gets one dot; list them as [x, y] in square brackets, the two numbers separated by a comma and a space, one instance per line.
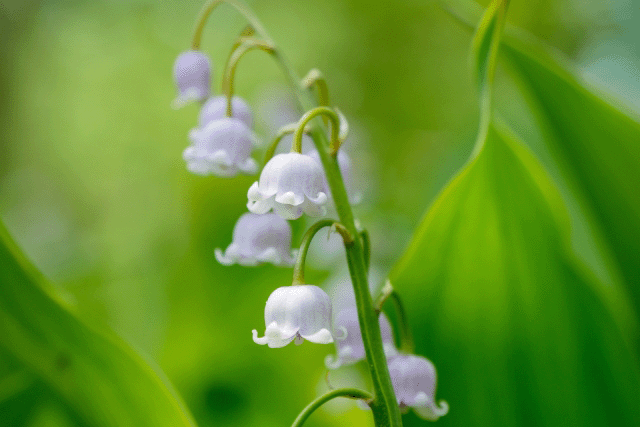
[94, 189]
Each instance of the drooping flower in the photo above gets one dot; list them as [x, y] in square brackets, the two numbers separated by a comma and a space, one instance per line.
[414, 382]
[296, 313]
[216, 108]
[344, 164]
[259, 239]
[192, 74]
[290, 184]
[351, 349]
[223, 147]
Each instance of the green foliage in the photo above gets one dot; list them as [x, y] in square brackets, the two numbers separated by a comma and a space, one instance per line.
[517, 322]
[98, 376]
[518, 329]
[92, 185]
[598, 148]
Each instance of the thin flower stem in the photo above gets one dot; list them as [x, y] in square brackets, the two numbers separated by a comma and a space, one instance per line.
[385, 293]
[245, 35]
[352, 393]
[315, 77]
[406, 337]
[210, 6]
[296, 145]
[298, 268]
[230, 71]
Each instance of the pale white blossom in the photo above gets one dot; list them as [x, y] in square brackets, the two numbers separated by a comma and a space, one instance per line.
[414, 382]
[296, 313]
[259, 239]
[290, 184]
[192, 75]
[216, 108]
[223, 147]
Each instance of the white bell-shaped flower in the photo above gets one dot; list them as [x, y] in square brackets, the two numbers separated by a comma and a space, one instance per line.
[351, 349]
[223, 147]
[414, 382]
[344, 164]
[290, 184]
[259, 239]
[216, 108]
[297, 312]
[192, 74]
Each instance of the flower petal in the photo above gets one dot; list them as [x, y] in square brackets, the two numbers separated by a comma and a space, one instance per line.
[290, 198]
[323, 336]
[258, 340]
[222, 258]
[428, 409]
[259, 207]
[287, 211]
[313, 209]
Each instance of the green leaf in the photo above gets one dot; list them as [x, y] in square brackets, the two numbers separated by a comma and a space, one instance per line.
[520, 333]
[597, 147]
[101, 378]
[594, 144]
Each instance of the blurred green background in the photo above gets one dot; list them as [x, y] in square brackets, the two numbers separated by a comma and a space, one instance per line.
[93, 187]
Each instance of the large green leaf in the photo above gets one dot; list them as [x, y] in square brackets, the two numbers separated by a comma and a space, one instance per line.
[521, 334]
[593, 143]
[105, 382]
[597, 147]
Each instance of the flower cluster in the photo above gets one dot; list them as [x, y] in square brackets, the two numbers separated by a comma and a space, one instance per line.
[289, 186]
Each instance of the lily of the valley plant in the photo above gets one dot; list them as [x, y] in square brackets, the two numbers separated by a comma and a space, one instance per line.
[289, 186]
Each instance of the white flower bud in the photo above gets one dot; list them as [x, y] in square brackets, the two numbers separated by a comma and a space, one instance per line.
[222, 148]
[192, 74]
[216, 108]
[297, 313]
[414, 382]
[351, 349]
[290, 184]
[259, 239]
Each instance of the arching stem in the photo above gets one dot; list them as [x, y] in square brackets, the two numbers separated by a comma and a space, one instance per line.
[210, 6]
[230, 71]
[298, 268]
[310, 115]
[315, 77]
[245, 35]
[352, 393]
